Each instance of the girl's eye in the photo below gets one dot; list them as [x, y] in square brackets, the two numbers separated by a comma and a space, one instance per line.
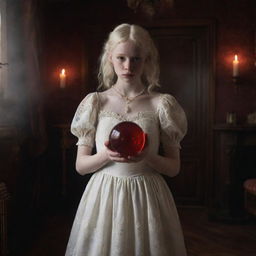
[136, 59]
[121, 58]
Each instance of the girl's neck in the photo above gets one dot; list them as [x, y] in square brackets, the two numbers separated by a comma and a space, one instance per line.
[129, 89]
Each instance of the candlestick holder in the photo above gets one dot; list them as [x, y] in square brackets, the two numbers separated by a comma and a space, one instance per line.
[231, 118]
[236, 80]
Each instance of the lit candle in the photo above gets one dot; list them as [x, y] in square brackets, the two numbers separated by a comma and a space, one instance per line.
[235, 66]
[63, 78]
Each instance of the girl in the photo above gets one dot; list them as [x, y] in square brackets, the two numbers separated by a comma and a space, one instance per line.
[127, 208]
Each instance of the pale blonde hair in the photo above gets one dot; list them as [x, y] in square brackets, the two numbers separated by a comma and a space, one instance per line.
[143, 40]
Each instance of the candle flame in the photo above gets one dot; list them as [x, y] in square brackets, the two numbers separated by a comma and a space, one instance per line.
[236, 58]
[63, 72]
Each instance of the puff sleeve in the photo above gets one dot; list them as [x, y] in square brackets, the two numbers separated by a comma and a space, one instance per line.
[173, 121]
[84, 123]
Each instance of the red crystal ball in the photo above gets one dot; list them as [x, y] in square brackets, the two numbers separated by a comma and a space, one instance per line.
[127, 138]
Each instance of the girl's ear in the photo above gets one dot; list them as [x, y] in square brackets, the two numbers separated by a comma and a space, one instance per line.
[110, 57]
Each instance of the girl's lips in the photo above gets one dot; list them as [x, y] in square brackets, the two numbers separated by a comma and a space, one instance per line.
[128, 75]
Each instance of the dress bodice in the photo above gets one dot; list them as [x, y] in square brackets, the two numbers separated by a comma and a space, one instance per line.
[148, 121]
[166, 125]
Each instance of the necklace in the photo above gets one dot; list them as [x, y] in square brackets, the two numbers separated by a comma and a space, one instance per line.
[127, 99]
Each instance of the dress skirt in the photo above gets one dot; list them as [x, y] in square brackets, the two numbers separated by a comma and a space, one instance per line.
[126, 216]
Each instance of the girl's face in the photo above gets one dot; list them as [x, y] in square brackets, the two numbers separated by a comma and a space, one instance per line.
[128, 61]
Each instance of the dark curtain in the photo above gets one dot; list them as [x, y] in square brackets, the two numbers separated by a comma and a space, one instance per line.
[26, 100]
[35, 90]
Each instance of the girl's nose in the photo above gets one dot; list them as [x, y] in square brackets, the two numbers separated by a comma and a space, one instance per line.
[127, 65]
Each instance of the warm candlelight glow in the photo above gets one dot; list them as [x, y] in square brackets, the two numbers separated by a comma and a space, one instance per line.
[63, 78]
[235, 66]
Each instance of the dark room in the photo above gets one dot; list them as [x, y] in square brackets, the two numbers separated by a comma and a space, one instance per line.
[127, 128]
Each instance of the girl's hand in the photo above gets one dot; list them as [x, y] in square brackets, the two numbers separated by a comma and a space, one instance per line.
[114, 156]
[137, 158]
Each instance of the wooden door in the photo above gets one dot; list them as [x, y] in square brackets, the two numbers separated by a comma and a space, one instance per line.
[186, 63]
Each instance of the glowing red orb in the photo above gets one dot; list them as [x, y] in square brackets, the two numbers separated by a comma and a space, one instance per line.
[127, 138]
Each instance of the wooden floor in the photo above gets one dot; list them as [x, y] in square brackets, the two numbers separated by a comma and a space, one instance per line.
[211, 238]
[202, 237]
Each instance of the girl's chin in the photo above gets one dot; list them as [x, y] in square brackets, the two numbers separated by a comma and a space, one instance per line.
[128, 78]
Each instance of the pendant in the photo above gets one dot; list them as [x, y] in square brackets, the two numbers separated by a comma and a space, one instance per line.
[127, 109]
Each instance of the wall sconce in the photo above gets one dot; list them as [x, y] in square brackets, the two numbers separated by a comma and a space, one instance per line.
[63, 77]
[235, 75]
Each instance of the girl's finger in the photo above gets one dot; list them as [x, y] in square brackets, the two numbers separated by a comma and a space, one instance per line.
[120, 159]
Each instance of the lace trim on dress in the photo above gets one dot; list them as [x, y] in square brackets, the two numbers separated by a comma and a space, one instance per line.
[84, 141]
[139, 115]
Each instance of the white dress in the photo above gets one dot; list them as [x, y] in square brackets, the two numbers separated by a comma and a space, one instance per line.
[127, 208]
